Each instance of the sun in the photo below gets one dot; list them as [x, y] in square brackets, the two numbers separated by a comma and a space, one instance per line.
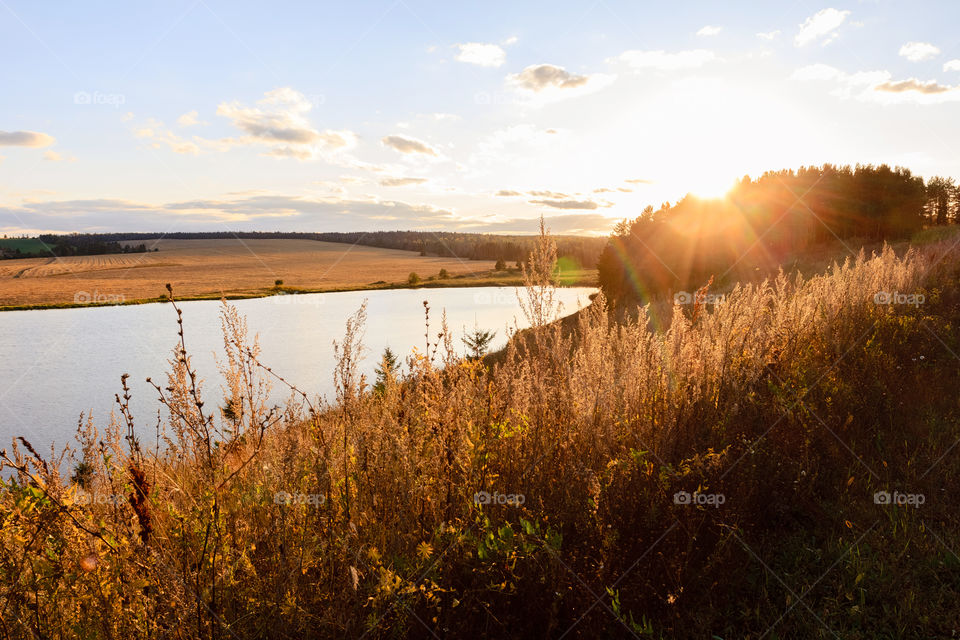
[710, 186]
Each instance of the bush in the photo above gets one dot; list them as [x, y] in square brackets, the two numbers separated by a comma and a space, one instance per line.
[443, 274]
[413, 279]
[500, 266]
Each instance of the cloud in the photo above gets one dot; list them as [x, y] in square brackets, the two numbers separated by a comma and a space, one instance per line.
[542, 76]
[281, 212]
[952, 65]
[541, 84]
[281, 120]
[769, 35]
[665, 61]
[918, 51]
[878, 86]
[482, 54]
[572, 223]
[25, 139]
[548, 194]
[278, 122]
[709, 30]
[567, 204]
[408, 145]
[822, 24]
[506, 193]
[401, 182]
[638, 181]
[52, 156]
[930, 87]
[188, 119]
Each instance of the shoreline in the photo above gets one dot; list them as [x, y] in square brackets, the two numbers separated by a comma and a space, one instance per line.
[466, 281]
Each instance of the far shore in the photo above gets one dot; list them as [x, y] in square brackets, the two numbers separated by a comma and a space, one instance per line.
[511, 278]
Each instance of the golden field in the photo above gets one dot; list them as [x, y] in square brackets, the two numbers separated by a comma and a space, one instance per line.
[214, 268]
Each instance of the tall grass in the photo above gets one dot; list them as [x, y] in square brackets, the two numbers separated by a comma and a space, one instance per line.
[531, 497]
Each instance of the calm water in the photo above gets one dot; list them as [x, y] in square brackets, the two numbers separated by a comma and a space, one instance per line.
[57, 363]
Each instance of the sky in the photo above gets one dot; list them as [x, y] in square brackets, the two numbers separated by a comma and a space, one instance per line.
[461, 116]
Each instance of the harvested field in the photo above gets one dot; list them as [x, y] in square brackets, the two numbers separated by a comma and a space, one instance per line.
[216, 267]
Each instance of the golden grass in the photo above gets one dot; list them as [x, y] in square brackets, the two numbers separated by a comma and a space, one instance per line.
[218, 267]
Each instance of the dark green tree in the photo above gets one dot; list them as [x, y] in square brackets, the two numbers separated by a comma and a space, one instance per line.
[387, 370]
[478, 342]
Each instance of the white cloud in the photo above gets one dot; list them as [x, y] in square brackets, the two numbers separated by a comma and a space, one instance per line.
[544, 83]
[188, 119]
[709, 30]
[917, 51]
[822, 24]
[952, 65]
[665, 61]
[52, 156]
[769, 35]
[281, 117]
[279, 123]
[401, 182]
[509, 41]
[878, 86]
[25, 139]
[404, 144]
[542, 76]
[481, 53]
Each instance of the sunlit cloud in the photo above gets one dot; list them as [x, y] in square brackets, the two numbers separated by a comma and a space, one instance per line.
[404, 144]
[482, 54]
[566, 204]
[931, 87]
[280, 118]
[401, 182]
[821, 25]
[25, 139]
[918, 51]
[665, 61]
[878, 86]
[709, 30]
[543, 76]
[278, 123]
[952, 65]
[769, 35]
[545, 83]
[188, 119]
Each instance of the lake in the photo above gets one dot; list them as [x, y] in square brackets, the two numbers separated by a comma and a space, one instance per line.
[57, 363]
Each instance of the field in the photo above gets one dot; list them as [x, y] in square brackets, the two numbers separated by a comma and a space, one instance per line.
[26, 245]
[199, 268]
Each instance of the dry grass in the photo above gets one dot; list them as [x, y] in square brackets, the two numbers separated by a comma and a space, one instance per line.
[217, 267]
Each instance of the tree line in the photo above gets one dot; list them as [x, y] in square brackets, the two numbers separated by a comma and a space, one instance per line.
[581, 250]
[762, 222]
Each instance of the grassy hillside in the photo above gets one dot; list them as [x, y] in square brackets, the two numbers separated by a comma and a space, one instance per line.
[777, 464]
